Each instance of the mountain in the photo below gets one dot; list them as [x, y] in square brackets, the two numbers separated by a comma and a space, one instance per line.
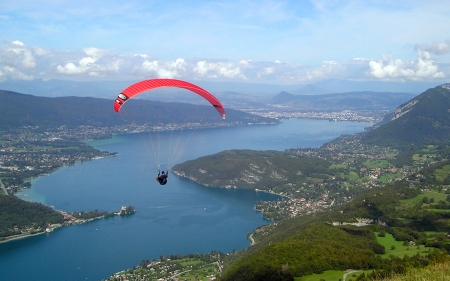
[249, 169]
[423, 119]
[18, 110]
[339, 86]
[284, 97]
[105, 89]
[343, 101]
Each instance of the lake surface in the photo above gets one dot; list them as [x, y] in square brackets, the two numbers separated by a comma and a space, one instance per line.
[179, 218]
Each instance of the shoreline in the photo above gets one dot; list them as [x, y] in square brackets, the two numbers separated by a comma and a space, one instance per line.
[123, 211]
[183, 175]
[20, 236]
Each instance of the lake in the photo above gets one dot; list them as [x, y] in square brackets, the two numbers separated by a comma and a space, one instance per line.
[179, 218]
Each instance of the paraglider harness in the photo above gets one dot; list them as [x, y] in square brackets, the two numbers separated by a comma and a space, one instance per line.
[162, 178]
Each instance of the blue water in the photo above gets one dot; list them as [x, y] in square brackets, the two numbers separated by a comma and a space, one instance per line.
[179, 218]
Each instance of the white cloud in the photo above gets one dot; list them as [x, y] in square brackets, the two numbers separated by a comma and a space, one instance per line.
[218, 69]
[90, 64]
[268, 70]
[161, 69]
[328, 69]
[19, 61]
[70, 68]
[17, 43]
[295, 73]
[423, 68]
[440, 48]
[142, 56]
[245, 63]
[13, 73]
[22, 54]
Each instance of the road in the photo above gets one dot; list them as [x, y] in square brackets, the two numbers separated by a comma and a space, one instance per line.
[349, 272]
[3, 187]
[175, 275]
[251, 239]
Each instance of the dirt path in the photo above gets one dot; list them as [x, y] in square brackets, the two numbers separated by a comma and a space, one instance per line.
[349, 272]
[3, 187]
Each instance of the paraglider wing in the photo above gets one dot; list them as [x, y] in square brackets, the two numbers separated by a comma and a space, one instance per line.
[146, 85]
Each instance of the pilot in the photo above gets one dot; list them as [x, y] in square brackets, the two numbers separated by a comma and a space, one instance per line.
[162, 177]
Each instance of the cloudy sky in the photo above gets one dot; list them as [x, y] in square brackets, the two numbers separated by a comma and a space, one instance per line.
[264, 41]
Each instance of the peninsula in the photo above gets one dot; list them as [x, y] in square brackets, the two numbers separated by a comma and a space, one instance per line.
[36, 218]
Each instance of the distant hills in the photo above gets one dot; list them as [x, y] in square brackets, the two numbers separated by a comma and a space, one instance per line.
[343, 101]
[423, 119]
[18, 110]
[419, 119]
[106, 89]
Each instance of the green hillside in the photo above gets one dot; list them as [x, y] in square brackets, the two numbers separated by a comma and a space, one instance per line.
[424, 119]
[20, 214]
[18, 110]
[312, 244]
[247, 169]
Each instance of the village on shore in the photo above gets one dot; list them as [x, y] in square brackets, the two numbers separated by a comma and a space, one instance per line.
[70, 218]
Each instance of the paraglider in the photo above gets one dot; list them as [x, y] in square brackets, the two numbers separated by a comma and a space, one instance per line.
[162, 177]
[146, 85]
[151, 84]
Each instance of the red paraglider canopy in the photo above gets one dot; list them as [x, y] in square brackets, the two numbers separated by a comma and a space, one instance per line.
[146, 85]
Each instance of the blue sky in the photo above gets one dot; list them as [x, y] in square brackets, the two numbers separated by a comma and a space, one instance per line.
[279, 42]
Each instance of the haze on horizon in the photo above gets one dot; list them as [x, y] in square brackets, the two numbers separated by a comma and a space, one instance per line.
[269, 42]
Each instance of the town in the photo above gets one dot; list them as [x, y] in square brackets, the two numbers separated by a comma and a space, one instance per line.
[364, 168]
[69, 218]
[372, 116]
[175, 268]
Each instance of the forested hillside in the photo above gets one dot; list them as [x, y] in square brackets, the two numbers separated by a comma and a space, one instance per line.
[17, 215]
[18, 110]
[313, 244]
[424, 119]
[247, 169]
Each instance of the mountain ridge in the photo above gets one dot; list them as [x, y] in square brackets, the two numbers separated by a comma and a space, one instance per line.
[360, 100]
[423, 119]
[18, 110]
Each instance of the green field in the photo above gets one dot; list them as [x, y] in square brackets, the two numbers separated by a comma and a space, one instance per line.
[202, 274]
[338, 166]
[443, 173]
[334, 275]
[384, 178]
[351, 175]
[399, 250]
[329, 275]
[373, 164]
[407, 203]
[188, 262]
[388, 241]
[419, 157]
[392, 154]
